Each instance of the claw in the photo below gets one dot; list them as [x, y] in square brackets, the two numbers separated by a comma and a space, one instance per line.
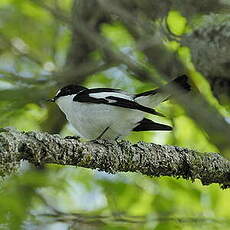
[72, 137]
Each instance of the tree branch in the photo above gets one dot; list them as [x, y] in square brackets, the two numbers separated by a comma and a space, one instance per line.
[112, 156]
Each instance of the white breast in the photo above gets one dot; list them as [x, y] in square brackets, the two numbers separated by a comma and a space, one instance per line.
[90, 120]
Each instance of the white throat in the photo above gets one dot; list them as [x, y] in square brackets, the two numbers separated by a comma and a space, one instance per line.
[65, 103]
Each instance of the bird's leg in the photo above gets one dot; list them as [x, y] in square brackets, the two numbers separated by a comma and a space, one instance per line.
[73, 137]
[117, 138]
[100, 136]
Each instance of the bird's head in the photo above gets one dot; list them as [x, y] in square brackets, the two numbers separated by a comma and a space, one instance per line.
[66, 91]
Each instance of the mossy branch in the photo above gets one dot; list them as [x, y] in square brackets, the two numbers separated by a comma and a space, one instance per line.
[112, 156]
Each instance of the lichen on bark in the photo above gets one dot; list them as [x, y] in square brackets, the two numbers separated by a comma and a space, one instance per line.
[111, 156]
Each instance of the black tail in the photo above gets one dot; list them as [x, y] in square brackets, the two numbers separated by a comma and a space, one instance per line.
[149, 125]
[181, 82]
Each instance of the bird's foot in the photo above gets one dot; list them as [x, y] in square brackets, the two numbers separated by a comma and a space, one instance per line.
[72, 137]
[97, 141]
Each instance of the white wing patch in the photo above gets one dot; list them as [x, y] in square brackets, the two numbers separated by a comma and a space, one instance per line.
[111, 100]
[113, 94]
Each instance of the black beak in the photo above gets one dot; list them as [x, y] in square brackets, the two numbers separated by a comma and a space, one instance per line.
[51, 100]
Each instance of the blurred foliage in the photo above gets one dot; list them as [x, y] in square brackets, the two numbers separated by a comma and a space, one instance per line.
[33, 48]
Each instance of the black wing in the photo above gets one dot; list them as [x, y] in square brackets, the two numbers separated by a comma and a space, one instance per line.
[148, 125]
[104, 90]
[85, 97]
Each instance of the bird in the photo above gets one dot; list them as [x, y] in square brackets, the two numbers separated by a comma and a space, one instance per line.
[108, 113]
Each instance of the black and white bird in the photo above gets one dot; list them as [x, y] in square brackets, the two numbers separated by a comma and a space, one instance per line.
[112, 113]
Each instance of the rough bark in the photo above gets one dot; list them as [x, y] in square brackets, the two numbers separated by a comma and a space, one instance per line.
[112, 156]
